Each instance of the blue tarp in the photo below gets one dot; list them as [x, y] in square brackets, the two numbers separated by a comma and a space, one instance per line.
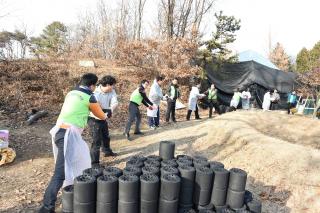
[251, 55]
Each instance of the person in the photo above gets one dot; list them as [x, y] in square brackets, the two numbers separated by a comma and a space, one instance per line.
[137, 97]
[193, 102]
[107, 98]
[235, 99]
[275, 97]
[266, 101]
[212, 99]
[71, 153]
[245, 99]
[155, 97]
[173, 94]
[292, 101]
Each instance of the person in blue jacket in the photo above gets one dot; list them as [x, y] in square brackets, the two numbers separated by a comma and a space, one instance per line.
[292, 101]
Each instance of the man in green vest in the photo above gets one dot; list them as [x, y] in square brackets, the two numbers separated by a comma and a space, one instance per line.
[67, 134]
[137, 98]
[173, 94]
[212, 99]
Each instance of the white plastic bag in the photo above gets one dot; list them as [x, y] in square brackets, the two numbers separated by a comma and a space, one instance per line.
[4, 139]
[152, 113]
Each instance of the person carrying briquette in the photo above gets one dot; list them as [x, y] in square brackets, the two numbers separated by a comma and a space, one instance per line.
[245, 99]
[107, 98]
[275, 98]
[71, 153]
[155, 97]
[137, 98]
[193, 102]
[173, 94]
[235, 98]
[212, 95]
[292, 101]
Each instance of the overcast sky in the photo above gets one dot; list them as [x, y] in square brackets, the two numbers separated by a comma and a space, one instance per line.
[293, 23]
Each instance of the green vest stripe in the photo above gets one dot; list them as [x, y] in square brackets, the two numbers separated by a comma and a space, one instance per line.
[212, 95]
[75, 109]
[136, 97]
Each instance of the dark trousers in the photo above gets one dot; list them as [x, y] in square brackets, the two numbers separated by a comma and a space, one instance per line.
[50, 196]
[154, 121]
[100, 138]
[274, 106]
[290, 106]
[171, 110]
[212, 104]
[134, 114]
[196, 113]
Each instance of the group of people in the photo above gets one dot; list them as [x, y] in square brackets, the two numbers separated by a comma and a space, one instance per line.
[243, 96]
[93, 105]
[270, 100]
[156, 95]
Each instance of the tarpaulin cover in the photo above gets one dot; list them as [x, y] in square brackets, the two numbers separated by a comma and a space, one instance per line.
[257, 77]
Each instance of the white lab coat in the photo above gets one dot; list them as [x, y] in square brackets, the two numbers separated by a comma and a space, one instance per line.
[155, 94]
[266, 101]
[193, 98]
[76, 152]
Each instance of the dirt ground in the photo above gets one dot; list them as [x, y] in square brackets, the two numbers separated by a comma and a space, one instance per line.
[280, 153]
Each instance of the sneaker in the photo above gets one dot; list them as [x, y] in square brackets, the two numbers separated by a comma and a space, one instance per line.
[110, 153]
[138, 133]
[153, 127]
[127, 136]
[44, 209]
[198, 118]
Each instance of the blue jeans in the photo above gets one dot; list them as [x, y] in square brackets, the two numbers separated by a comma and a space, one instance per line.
[50, 196]
[154, 121]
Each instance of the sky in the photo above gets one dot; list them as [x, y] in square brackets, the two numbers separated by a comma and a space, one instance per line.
[293, 23]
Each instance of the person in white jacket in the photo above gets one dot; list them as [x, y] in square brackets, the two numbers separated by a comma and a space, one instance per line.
[155, 97]
[193, 101]
[245, 99]
[266, 101]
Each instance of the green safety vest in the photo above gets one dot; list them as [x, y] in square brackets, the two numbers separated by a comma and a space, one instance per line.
[172, 91]
[212, 95]
[136, 97]
[237, 96]
[75, 109]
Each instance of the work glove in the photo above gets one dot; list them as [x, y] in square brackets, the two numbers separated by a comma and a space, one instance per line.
[109, 113]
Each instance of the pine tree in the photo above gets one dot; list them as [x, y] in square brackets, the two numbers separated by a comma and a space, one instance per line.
[303, 60]
[52, 42]
[226, 26]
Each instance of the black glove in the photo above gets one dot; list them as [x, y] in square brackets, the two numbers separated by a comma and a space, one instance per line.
[109, 113]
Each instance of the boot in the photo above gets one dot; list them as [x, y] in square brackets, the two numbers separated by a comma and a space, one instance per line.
[189, 115]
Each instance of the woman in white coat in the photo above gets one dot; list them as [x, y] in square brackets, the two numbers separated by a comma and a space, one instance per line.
[193, 101]
[266, 101]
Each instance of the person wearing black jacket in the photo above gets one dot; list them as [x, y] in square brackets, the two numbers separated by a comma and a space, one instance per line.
[173, 94]
[137, 97]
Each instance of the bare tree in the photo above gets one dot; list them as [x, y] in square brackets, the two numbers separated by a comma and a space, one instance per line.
[140, 14]
[3, 9]
[183, 16]
[202, 7]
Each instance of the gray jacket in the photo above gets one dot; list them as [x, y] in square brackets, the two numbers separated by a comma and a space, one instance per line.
[155, 94]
